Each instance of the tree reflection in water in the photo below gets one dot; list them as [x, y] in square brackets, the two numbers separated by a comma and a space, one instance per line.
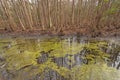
[69, 58]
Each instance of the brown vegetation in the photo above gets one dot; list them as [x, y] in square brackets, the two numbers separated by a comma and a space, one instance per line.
[60, 16]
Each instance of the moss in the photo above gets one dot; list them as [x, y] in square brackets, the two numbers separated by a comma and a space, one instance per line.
[25, 52]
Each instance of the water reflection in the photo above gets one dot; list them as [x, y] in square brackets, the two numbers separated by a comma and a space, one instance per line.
[69, 58]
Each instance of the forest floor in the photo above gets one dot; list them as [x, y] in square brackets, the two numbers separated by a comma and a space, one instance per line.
[105, 32]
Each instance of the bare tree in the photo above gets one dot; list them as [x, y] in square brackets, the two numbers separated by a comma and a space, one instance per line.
[59, 14]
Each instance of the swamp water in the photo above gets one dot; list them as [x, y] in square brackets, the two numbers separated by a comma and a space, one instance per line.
[55, 58]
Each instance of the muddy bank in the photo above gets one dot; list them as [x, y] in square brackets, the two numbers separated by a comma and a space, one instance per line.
[62, 32]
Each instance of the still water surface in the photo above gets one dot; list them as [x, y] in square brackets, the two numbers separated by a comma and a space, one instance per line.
[55, 58]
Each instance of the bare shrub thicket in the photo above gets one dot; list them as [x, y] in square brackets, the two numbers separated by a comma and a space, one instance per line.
[59, 14]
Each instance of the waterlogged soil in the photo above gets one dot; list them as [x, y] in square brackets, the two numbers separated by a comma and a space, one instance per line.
[105, 32]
